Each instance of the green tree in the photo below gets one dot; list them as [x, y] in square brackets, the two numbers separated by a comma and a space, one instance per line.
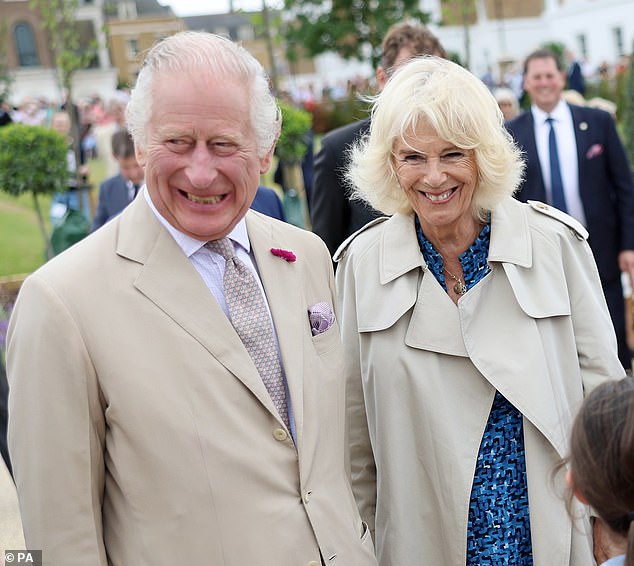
[33, 159]
[352, 28]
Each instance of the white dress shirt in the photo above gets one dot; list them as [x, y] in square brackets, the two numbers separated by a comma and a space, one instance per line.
[567, 151]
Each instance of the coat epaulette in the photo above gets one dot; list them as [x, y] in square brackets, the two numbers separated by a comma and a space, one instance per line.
[341, 250]
[577, 228]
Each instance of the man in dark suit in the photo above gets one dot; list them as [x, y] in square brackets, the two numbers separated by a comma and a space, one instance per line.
[119, 191]
[267, 202]
[595, 175]
[334, 215]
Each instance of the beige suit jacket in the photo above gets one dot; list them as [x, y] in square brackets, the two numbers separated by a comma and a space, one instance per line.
[423, 373]
[140, 430]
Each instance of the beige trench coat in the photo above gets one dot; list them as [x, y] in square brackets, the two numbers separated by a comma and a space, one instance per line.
[422, 373]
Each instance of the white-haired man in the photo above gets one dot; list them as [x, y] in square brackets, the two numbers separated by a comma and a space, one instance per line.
[175, 378]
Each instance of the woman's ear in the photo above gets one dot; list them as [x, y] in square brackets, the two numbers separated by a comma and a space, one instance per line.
[570, 482]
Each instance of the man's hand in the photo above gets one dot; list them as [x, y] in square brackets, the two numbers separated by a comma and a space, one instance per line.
[626, 263]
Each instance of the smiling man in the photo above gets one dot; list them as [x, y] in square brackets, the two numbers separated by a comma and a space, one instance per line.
[176, 378]
[589, 177]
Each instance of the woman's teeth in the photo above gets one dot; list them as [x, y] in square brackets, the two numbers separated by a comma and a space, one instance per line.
[441, 197]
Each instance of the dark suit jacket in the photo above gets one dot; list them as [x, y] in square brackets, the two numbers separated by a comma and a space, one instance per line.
[605, 182]
[113, 198]
[267, 202]
[333, 215]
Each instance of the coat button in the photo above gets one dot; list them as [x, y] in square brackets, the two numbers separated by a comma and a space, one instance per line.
[307, 496]
[280, 434]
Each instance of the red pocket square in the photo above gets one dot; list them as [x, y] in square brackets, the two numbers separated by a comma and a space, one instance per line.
[594, 151]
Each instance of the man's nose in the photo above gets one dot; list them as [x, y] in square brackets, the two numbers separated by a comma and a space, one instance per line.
[201, 170]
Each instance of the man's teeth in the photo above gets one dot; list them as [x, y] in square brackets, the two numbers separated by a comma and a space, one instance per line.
[208, 200]
[437, 198]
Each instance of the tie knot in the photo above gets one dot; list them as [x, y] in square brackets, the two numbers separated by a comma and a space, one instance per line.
[550, 120]
[224, 247]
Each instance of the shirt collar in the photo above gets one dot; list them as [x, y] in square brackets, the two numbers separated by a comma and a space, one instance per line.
[191, 245]
[559, 112]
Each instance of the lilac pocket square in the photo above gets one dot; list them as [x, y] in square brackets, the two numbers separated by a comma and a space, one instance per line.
[594, 151]
[321, 318]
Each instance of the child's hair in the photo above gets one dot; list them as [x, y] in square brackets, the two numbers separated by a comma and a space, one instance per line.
[602, 456]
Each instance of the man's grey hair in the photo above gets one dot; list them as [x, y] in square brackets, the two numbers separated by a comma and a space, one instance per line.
[197, 53]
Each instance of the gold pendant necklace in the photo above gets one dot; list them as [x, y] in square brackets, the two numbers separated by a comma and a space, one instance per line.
[459, 287]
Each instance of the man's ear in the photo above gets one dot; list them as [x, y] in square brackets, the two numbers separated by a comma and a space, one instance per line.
[265, 161]
[140, 155]
[570, 482]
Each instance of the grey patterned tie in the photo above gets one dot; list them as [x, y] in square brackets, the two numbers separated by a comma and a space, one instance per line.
[250, 318]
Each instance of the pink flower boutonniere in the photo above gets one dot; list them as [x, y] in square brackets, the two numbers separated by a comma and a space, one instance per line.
[284, 254]
[594, 151]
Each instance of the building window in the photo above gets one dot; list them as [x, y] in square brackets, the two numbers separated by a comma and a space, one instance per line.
[25, 45]
[132, 48]
[246, 33]
[618, 41]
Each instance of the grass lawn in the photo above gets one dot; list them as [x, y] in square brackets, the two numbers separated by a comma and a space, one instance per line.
[21, 242]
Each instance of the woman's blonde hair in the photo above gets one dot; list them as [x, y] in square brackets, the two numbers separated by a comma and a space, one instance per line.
[462, 111]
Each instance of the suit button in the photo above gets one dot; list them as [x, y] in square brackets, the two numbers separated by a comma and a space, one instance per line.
[280, 434]
[307, 496]
[313, 563]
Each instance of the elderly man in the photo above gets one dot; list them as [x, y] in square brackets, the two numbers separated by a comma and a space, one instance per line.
[176, 391]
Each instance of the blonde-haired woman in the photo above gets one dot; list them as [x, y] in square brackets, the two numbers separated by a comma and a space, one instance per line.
[473, 323]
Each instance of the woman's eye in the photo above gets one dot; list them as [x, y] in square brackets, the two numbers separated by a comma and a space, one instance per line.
[453, 155]
[414, 158]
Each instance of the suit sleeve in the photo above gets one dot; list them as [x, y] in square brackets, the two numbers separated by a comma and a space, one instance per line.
[620, 175]
[330, 209]
[56, 430]
[359, 457]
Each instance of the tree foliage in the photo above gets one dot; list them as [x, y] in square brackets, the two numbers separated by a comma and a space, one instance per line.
[58, 18]
[291, 146]
[352, 28]
[32, 159]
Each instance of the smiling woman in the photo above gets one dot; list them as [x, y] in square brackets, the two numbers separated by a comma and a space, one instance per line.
[462, 367]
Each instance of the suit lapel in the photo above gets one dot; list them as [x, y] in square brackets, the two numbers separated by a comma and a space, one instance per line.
[582, 129]
[284, 295]
[168, 279]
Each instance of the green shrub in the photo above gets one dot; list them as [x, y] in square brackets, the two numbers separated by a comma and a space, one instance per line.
[33, 160]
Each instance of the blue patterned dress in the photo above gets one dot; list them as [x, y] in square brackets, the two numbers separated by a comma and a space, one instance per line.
[498, 532]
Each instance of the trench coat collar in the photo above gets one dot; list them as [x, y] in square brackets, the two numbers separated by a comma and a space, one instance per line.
[399, 251]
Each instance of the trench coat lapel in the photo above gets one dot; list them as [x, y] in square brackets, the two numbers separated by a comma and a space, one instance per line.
[434, 324]
[168, 279]
[502, 338]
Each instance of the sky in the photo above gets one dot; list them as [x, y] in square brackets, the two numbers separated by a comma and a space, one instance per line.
[184, 8]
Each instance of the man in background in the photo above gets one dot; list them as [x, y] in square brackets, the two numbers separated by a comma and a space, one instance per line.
[577, 163]
[334, 215]
[119, 191]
